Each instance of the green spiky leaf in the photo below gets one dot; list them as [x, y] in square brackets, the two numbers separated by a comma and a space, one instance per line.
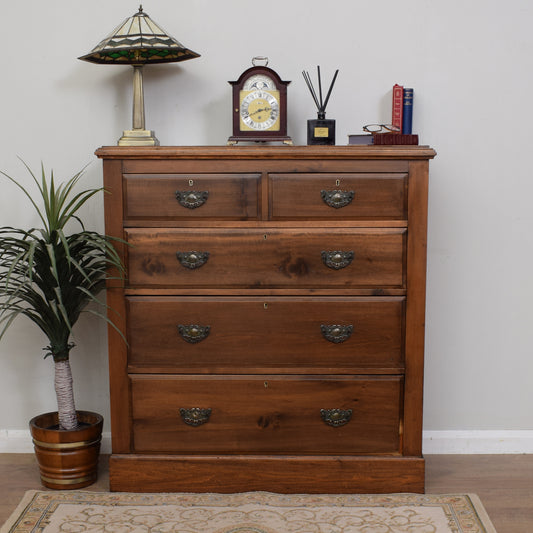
[48, 274]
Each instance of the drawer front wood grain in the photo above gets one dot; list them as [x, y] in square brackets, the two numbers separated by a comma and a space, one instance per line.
[253, 335]
[339, 196]
[266, 414]
[191, 196]
[254, 258]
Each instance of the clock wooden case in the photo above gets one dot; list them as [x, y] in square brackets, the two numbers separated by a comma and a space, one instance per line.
[259, 107]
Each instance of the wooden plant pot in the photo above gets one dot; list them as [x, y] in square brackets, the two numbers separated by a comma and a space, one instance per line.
[67, 459]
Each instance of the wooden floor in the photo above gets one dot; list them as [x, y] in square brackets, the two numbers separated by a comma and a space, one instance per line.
[503, 482]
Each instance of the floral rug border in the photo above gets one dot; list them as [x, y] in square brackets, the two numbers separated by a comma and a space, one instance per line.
[465, 512]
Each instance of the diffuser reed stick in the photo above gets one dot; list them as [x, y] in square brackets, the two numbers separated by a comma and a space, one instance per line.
[320, 103]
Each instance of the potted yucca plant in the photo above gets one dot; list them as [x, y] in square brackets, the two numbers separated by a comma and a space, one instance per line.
[50, 276]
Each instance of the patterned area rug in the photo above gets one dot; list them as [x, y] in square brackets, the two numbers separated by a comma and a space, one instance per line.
[252, 512]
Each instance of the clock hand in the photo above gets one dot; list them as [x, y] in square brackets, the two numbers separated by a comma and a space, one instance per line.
[259, 110]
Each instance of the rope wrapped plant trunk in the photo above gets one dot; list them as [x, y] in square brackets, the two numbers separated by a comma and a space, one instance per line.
[65, 395]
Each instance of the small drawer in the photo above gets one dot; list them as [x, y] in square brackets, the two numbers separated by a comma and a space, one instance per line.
[339, 196]
[267, 414]
[254, 258]
[196, 196]
[261, 335]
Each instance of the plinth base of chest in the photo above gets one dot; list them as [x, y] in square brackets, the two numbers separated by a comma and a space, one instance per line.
[282, 474]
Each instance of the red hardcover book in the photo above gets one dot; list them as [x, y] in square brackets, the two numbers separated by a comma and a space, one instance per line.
[397, 106]
[394, 138]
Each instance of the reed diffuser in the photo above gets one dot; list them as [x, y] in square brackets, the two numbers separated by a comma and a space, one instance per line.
[320, 130]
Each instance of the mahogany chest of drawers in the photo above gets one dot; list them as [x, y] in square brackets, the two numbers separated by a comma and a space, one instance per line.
[274, 316]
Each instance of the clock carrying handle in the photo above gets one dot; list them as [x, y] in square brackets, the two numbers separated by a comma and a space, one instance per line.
[260, 58]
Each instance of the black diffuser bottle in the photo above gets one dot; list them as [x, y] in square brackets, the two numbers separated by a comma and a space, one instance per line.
[320, 130]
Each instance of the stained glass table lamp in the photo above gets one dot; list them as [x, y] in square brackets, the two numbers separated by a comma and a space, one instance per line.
[137, 41]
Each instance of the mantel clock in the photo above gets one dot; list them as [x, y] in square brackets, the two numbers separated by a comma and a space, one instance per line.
[259, 105]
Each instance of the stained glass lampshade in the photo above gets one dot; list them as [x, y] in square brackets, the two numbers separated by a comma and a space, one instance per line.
[138, 40]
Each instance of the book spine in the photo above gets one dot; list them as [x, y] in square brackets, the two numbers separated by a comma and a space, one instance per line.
[397, 106]
[407, 121]
[395, 139]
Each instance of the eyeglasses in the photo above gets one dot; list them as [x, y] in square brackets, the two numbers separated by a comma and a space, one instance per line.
[378, 128]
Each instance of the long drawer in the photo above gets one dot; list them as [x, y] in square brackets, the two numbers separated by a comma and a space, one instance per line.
[302, 257]
[248, 334]
[266, 414]
[191, 196]
[339, 196]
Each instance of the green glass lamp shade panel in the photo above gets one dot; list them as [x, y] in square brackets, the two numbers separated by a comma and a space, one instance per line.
[139, 40]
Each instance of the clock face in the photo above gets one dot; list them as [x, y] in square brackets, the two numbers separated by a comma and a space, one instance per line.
[259, 82]
[259, 110]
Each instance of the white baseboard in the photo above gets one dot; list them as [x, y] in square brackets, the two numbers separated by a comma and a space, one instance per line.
[434, 442]
[19, 441]
[477, 442]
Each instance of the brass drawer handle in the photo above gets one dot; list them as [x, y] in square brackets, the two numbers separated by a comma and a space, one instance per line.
[337, 259]
[337, 199]
[192, 199]
[336, 417]
[194, 333]
[192, 259]
[336, 333]
[195, 416]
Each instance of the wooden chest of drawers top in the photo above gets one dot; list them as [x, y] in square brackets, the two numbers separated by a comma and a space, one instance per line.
[163, 156]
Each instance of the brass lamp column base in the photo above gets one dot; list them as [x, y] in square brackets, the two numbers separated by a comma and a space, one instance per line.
[138, 137]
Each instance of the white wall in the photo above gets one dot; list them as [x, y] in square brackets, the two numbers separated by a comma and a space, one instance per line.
[471, 66]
